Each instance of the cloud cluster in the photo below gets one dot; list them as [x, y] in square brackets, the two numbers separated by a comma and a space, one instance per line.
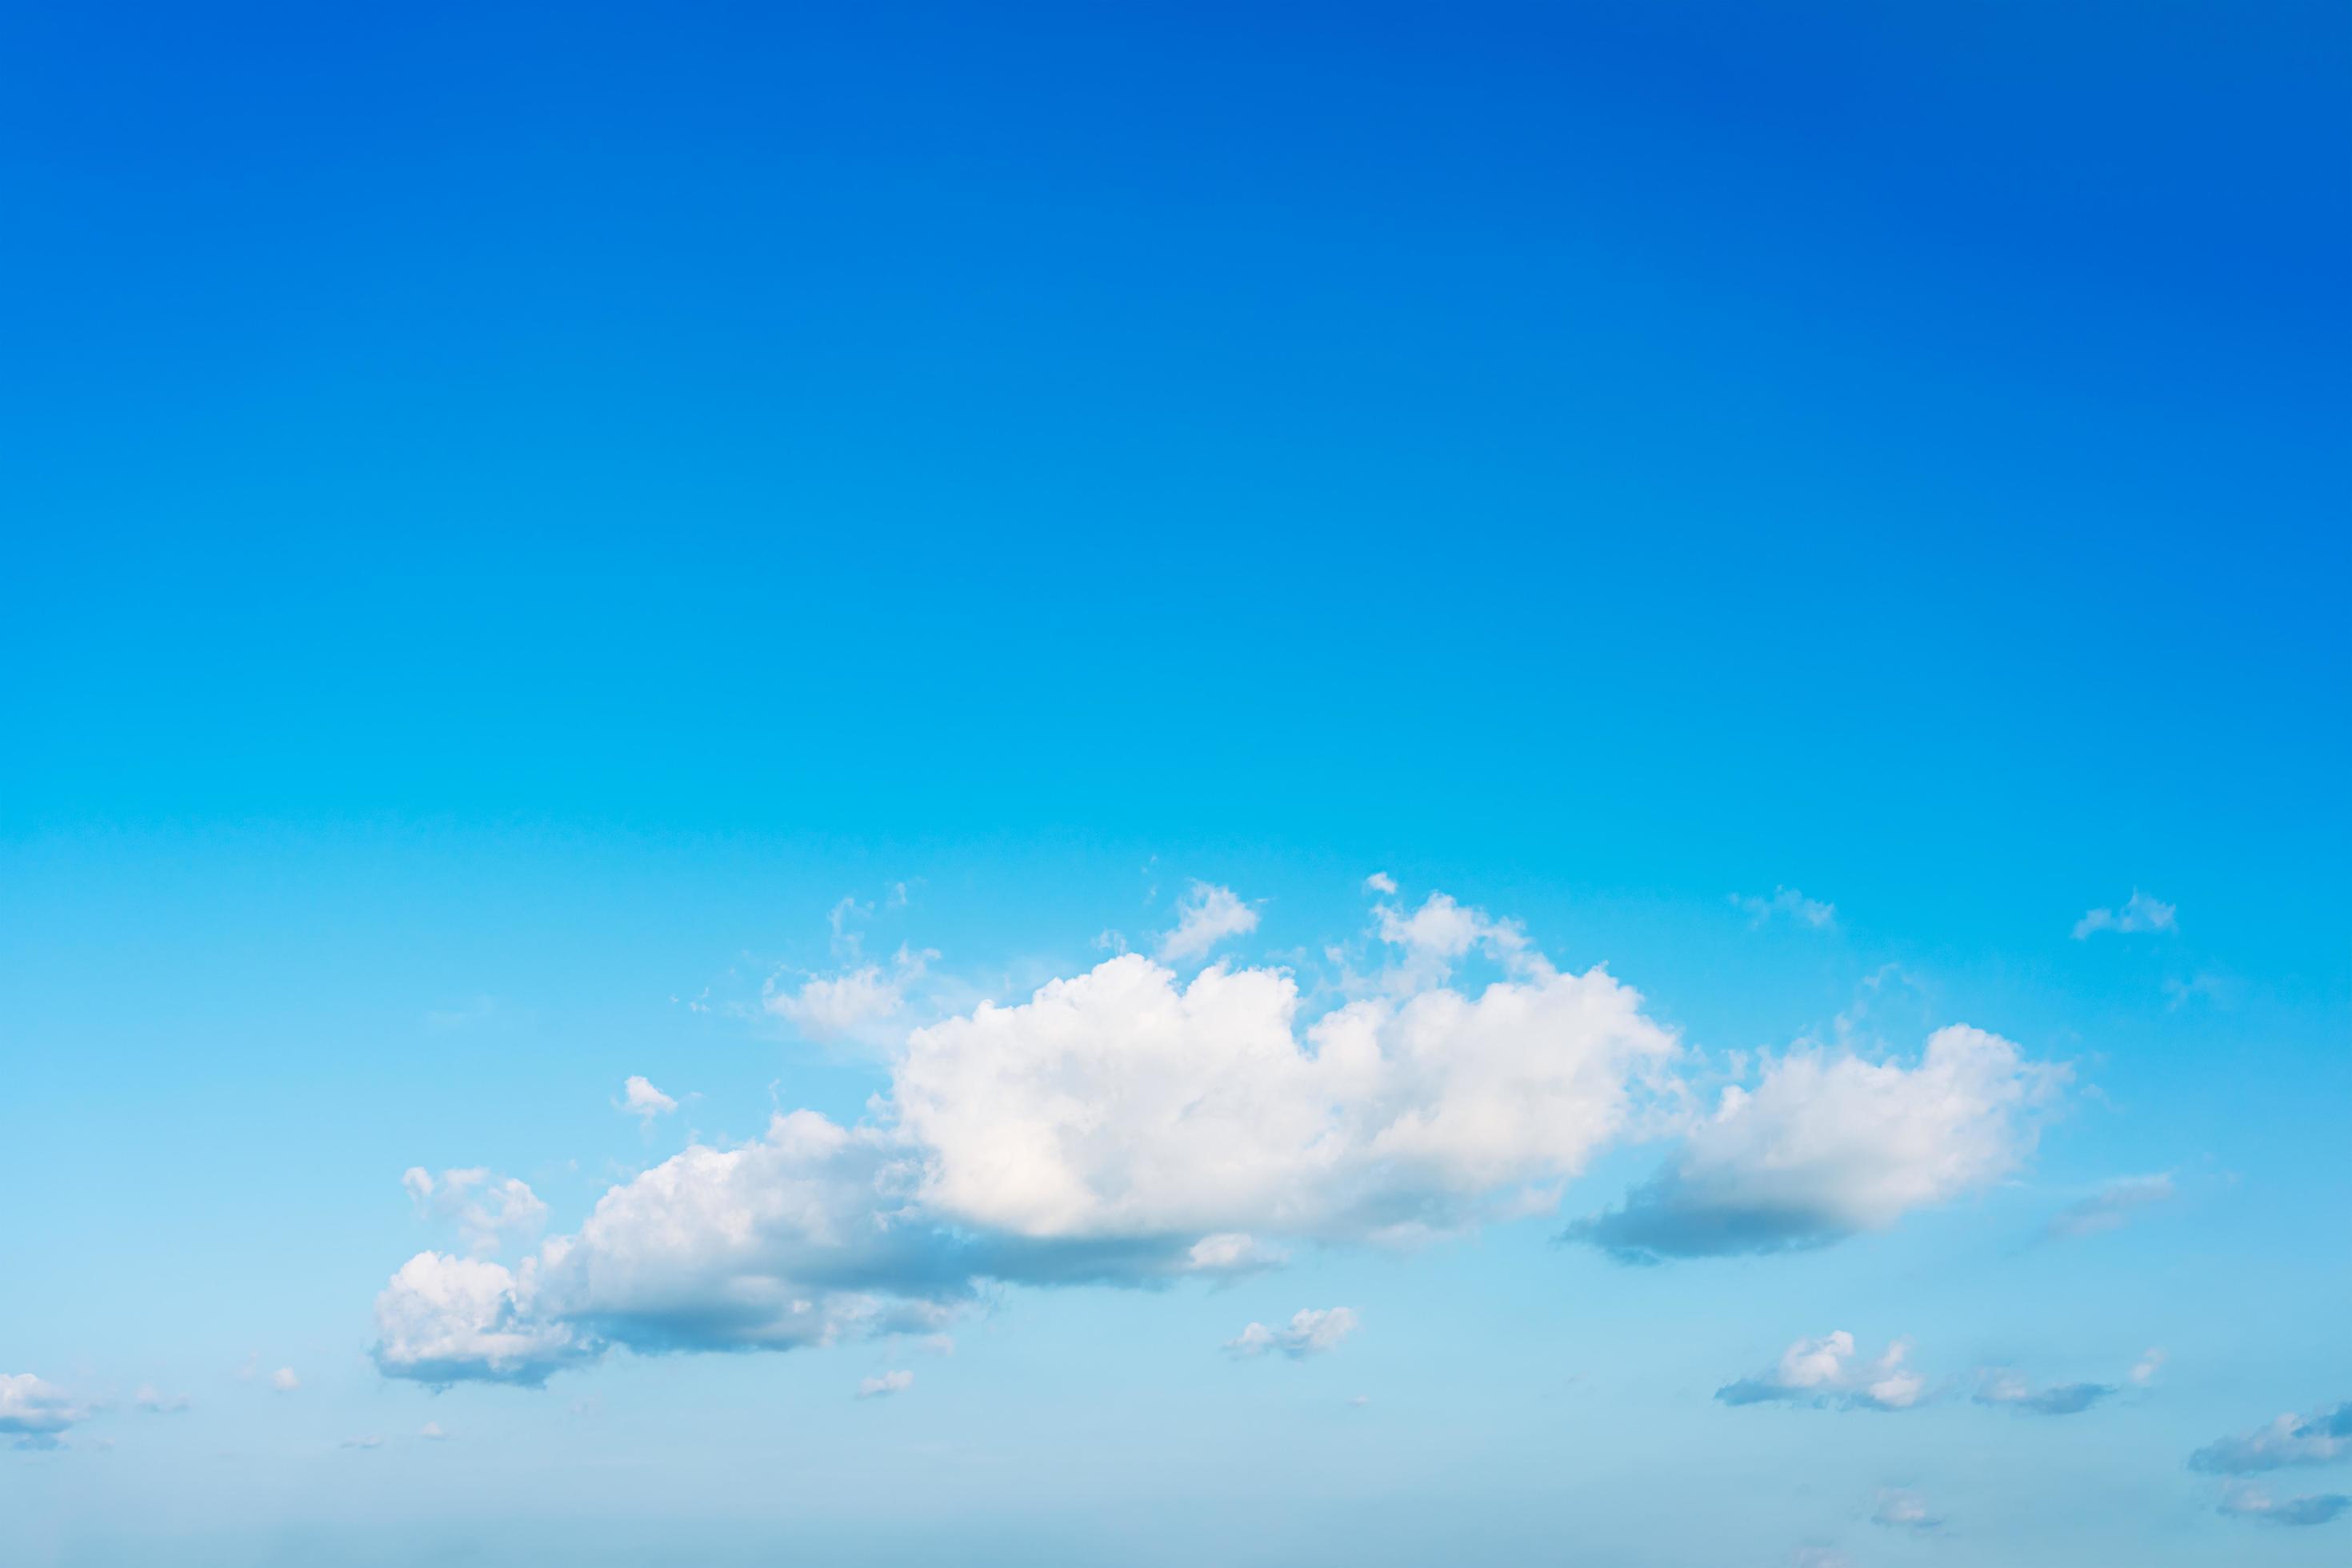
[1129, 1125]
[1828, 1145]
[2138, 913]
[33, 1413]
[1311, 1331]
[1827, 1372]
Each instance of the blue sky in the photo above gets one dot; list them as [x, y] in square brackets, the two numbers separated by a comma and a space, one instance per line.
[911, 565]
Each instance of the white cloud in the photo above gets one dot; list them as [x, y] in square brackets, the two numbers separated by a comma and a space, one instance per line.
[1901, 1509]
[889, 1383]
[33, 1413]
[1826, 1146]
[1827, 1372]
[2139, 913]
[2144, 1371]
[1205, 916]
[641, 1099]
[2319, 1438]
[490, 1211]
[1381, 882]
[443, 1318]
[2243, 1500]
[157, 1403]
[284, 1381]
[866, 1005]
[1786, 901]
[2112, 1205]
[430, 1432]
[1311, 1331]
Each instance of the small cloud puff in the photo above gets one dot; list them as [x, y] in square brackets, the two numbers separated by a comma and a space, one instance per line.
[1826, 1372]
[2139, 913]
[888, 1383]
[284, 1381]
[156, 1403]
[1786, 901]
[641, 1099]
[1381, 882]
[1311, 1331]
[430, 1432]
[1205, 916]
[2144, 1371]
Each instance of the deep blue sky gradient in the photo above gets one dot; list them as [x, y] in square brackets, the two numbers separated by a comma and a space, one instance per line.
[512, 510]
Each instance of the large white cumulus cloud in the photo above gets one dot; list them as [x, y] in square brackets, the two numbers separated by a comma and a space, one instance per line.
[1123, 1104]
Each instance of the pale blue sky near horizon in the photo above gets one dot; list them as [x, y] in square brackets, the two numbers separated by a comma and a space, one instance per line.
[519, 514]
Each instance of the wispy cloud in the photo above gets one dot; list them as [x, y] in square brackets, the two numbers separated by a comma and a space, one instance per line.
[489, 1210]
[1205, 916]
[1901, 1509]
[2003, 1387]
[882, 1386]
[1786, 903]
[1311, 1330]
[2138, 913]
[2109, 1207]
